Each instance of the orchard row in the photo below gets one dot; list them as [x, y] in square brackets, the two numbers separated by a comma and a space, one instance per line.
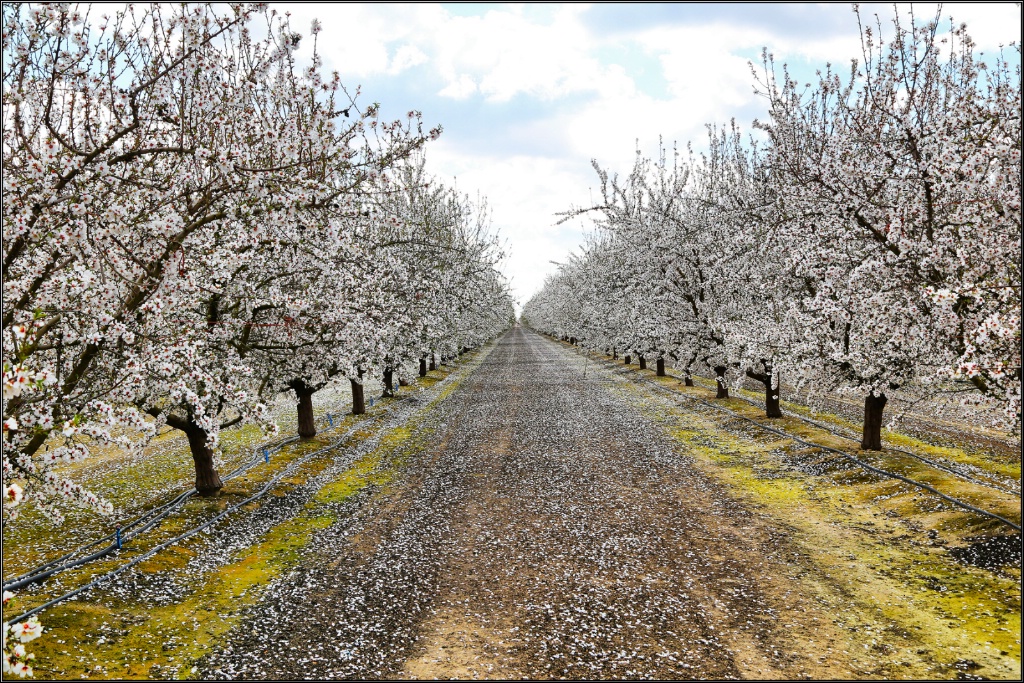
[869, 240]
[194, 223]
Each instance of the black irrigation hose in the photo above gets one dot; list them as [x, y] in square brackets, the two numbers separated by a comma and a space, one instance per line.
[61, 563]
[150, 514]
[191, 532]
[148, 520]
[857, 461]
[152, 551]
[951, 470]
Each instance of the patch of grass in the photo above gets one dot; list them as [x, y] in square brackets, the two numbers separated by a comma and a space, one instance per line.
[132, 638]
[892, 585]
[363, 472]
[135, 484]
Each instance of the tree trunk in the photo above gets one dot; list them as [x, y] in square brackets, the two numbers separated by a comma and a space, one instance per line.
[389, 381]
[423, 367]
[615, 353]
[873, 407]
[723, 389]
[627, 358]
[304, 395]
[572, 341]
[433, 361]
[358, 401]
[772, 407]
[771, 396]
[208, 482]
[643, 361]
[660, 371]
[687, 377]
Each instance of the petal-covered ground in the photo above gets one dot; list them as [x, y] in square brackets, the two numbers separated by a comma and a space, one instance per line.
[549, 525]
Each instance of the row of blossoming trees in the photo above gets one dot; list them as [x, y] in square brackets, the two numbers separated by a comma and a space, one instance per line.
[870, 243]
[194, 223]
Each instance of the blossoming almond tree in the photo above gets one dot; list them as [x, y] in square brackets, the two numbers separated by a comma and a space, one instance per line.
[872, 244]
[164, 172]
[151, 156]
[119, 159]
[902, 190]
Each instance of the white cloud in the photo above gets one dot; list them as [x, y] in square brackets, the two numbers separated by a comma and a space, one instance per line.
[406, 56]
[509, 55]
[459, 89]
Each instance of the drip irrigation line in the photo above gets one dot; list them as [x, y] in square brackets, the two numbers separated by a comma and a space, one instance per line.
[835, 432]
[120, 536]
[147, 520]
[851, 458]
[179, 500]
[61, 563]
[191, 532]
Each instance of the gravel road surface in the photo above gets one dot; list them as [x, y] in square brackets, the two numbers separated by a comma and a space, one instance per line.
[545, 529]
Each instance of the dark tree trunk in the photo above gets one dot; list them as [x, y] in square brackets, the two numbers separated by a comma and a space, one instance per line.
[660, 371]
[687, 377]
[423, 367]
[433, 361]
[723, 389]
[627, 359]
[304, 395]
[771, 396]
[208, 482]
[771, 401]
[643, 362]
[572, 341]
[358, 401]
[389, 383]
[873, 407]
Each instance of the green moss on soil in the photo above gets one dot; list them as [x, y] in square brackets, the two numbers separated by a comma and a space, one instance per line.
[132, 639]
[896, 590]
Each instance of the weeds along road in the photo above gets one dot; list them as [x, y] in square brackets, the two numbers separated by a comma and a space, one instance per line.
[548, 527]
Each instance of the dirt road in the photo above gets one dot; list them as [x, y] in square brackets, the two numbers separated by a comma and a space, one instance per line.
[546, 528]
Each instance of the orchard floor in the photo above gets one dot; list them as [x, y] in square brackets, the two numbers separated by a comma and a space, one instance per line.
[556, 520]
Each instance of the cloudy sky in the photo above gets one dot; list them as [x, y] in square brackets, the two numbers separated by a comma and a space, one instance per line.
[529, 94]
